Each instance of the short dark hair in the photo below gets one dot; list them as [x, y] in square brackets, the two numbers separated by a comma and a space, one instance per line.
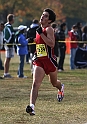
[2, 23]
[84, 29]
[10, 17]
[35, 21]
[74, 26]
[62, 25]
[52, 15]
[78, 24]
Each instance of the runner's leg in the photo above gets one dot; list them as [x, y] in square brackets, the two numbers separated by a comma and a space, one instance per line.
[38, 76]
[53, 79]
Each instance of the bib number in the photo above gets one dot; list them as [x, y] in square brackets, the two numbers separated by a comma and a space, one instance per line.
[41, 50]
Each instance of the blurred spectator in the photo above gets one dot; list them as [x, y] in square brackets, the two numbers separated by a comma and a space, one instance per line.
[21, 49]
[31, 33]
[73, 45]
[84, 35]
[79, 31]
[9, 39]
[54, 26]
[62, 46]
[1, 43]
[28, 55]
[81, 57]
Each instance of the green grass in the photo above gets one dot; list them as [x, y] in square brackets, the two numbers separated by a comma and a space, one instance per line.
[14, 97]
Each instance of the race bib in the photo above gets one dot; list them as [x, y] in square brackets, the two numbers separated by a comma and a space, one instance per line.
[41, 50]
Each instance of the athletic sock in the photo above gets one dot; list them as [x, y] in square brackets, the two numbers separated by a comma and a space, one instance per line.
[32, 106]
[6, 74]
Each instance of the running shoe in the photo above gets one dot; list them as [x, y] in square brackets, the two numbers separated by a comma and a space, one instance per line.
[7, 76]
[60, 94]
[30, 110]
[22, 76]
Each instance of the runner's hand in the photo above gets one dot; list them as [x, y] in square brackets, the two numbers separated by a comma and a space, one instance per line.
[39, 30]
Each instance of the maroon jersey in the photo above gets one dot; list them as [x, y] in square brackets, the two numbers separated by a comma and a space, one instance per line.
[45, 55]
[49, 52]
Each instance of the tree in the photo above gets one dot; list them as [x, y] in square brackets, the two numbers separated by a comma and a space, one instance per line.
[6, 7]
[75, 9]
[27, 10]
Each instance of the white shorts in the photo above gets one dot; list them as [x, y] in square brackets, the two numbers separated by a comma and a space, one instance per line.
[9, 52]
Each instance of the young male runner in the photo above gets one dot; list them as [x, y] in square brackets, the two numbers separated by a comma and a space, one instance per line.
[45, 62]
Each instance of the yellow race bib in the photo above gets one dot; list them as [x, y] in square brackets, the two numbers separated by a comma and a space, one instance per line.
[41, 50]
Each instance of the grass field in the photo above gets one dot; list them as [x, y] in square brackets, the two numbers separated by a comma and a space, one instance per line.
[14, 97]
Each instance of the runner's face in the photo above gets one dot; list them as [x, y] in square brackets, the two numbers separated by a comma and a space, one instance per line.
[44, 18]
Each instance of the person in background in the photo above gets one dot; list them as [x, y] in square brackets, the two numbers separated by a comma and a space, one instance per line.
[45, 61]
[28, 55]
[84, 36]
[73, 45]
[21, 49]
[62, 46]
[81, 51]
[31, 34]
[1, 43]
[9, 39]
[79, 30]
[81, 57]
[54, 26]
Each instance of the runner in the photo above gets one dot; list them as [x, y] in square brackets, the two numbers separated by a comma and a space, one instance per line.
[45, 62]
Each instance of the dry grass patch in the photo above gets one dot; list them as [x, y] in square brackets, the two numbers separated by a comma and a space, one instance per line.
[14, 96]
